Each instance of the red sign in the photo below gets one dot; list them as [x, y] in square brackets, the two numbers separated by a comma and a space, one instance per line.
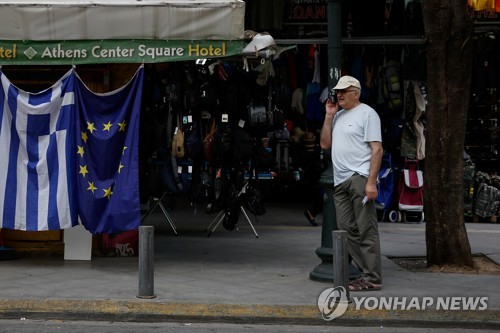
[306, 11]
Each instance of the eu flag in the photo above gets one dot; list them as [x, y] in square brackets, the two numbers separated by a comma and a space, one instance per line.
[107, 157]
[37, 160]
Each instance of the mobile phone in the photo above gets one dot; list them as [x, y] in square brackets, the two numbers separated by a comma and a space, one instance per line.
[333, 98]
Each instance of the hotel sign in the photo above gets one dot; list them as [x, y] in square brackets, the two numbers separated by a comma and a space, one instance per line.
[112, 51]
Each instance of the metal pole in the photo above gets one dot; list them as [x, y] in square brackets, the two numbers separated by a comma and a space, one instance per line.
[340, 260]
[146, 262]
[334, 13]
[323, 271]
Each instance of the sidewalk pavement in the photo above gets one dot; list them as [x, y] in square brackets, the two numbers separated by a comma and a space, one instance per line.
[233, 276]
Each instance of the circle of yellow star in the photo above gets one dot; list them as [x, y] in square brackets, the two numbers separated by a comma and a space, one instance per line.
[120, 167]
[83, 170]
[84, 137]
[122, 126]
[107, 126]
[91, 187]
[80, 151]
[108, 192]
[91, 127]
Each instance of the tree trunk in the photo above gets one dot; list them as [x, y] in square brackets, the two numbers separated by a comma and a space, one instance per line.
[449, 33]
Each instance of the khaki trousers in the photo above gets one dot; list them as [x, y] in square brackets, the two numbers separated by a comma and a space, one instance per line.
[360, 222]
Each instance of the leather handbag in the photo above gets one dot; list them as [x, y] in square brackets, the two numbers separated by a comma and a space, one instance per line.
[178, 141]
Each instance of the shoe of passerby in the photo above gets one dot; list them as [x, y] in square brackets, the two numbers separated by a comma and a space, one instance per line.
[310, 218]
[363, 284]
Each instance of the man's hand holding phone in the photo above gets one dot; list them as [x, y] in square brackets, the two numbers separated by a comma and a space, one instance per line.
[331, 105]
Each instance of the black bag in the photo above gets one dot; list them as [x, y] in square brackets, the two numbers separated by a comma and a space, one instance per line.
[221, 147]
[201, 188]
[193, 144]
[487, 199]
[208, 95]
[172, 93]
[263, 159]
[169, 176]
[254, 201]
[167, 162]
[391, 92]
[192, 99]
[257, 116]
[278, 119]
[242, 146]
[218, 193]
[232, 212]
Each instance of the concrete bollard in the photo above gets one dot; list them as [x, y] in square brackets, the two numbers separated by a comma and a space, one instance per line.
[146, 262]
[340, 260]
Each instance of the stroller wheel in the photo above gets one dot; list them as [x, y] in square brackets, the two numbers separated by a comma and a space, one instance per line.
[413, 217]
[393, 216]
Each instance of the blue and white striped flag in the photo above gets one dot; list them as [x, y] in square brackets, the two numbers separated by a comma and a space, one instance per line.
[37, 156]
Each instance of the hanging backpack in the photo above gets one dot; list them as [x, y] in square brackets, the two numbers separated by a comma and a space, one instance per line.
[254, 201]
[221, 149]
[253, 198]
[171, 180]
[391, 91]
[486, 201]
[165, 162]
[262, 158]
[257, 116]
[208, 141]
[414, 19]
[201, 188]
[194, 144]
[208, 95]
[242, 146]
[178, 141]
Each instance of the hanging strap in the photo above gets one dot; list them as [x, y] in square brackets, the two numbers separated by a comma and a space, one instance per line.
[413, 178]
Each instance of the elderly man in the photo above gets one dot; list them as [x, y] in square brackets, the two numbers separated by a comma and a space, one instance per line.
[352, 131]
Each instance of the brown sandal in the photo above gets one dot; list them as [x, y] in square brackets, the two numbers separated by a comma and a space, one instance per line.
[362, 285]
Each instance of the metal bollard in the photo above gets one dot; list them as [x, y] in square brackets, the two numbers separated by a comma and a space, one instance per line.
[340, 260]
[146, 262]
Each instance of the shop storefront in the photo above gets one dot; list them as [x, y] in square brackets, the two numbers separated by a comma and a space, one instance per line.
[106, 41]
[267, 106]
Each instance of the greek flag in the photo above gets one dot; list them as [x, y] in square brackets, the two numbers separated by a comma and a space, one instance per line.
[37, 156]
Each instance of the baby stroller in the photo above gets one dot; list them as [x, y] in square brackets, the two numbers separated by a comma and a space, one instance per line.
[411, 194]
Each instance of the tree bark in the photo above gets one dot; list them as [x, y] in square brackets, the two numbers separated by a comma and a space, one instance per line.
[449, 33]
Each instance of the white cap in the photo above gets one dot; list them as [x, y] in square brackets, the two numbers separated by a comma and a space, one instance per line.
[346, 82]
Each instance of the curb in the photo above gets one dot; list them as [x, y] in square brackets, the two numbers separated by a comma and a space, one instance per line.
[154, 311]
